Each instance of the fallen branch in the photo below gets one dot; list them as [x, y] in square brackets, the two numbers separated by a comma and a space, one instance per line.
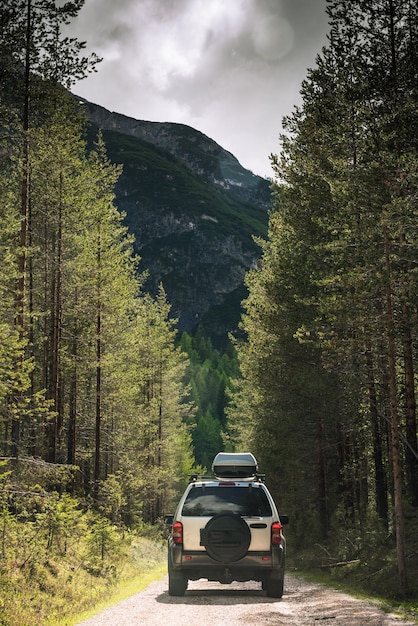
[339, 564]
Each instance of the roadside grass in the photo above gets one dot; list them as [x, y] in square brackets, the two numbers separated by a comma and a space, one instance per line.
[141, 563]
[124, 589]
[360, 559]
[354, 579]
[65, 589]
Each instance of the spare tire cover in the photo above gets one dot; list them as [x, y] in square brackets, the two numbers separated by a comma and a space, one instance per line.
[226, 537]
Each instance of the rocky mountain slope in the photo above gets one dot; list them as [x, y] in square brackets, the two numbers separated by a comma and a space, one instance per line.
[193, 210]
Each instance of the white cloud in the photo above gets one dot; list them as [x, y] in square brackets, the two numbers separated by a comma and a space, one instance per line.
[230, 68]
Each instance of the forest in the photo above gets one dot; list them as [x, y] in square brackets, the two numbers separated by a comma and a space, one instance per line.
[105, 410]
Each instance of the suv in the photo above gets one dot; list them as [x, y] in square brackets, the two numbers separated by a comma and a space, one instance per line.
[227, 528]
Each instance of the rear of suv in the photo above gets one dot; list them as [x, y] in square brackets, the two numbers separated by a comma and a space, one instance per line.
[227, 528]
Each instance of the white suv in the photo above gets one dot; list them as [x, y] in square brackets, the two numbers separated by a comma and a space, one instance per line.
[227, 528]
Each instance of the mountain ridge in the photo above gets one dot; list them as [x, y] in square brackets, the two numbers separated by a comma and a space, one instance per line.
[224, 168]
[194, 212]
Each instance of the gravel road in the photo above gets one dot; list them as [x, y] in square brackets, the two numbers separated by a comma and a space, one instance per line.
[243, 604]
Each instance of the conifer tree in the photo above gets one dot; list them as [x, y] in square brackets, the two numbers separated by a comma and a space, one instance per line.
[31, 38]
[337, 270]
[154, 454]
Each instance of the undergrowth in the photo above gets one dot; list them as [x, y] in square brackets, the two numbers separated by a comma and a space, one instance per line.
[58, 562]
[362, 561]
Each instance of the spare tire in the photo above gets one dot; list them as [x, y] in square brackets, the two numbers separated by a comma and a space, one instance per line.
[226, 537]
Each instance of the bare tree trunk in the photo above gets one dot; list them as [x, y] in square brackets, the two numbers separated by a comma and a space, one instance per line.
[72, 418]
[72, 413]
[380, 476]
[345, 461]
[32, 445]
[24, 221]
[98, 375]
[51, 363]
[411, 452]
[56, 323]
[320, 464]
[98, 409]
[395, 426]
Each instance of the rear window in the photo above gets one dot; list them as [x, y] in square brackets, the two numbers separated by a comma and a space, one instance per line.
[206, 501]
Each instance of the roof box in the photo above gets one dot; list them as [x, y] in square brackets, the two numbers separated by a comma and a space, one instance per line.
[234, 465]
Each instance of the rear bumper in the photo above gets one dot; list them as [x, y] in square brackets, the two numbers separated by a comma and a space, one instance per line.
[253, 566]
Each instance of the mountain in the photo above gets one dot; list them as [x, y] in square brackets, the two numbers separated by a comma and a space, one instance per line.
[194, 211]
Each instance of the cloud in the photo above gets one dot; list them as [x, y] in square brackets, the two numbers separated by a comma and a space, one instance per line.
[230, 69]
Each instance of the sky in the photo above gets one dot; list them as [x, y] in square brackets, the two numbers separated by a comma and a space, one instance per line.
[231, 69]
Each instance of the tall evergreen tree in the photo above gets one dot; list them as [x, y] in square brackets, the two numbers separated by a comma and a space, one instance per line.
[154, 444]
[31, 40]
[337, 271]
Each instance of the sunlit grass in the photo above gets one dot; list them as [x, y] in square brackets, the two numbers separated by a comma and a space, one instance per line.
[64, 589]
[122, 591]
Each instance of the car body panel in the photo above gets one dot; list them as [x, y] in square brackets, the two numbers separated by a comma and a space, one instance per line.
[237, 497]
[260, 532]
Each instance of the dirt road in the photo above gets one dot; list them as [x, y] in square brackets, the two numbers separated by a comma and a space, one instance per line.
[243, 604]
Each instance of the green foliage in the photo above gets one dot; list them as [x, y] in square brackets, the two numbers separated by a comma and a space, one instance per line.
[90, 378]
[60, 522]
[112, 498]
[104, 544]
[209, 377]
[362, 560]
[51, 55]
[329, 364]
[59, 560]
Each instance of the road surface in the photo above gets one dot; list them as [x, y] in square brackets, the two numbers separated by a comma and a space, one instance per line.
[243, 604]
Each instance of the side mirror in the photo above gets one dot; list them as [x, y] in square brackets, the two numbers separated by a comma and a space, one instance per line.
[284, 519]
[168, 520]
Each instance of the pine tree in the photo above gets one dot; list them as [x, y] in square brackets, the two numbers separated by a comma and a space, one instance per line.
[337, 270]
[31, 39]
[154, 445]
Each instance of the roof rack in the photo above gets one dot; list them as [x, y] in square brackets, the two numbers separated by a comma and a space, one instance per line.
[193, 478]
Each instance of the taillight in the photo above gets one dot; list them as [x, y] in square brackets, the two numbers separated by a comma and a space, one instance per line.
[276, 533]
[177, 533]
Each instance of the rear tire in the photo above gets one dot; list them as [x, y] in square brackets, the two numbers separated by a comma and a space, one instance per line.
[274, 587]
[177, 584]
[177, 581]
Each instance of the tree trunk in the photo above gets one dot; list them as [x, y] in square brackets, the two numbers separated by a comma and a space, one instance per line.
[24, 221]
[72, 418]
[380, 476]
[58, 321]
[98, 411]
[411, 452]
[32, 445]
[395, 426]
[322, 492]
[98, 374]
[52, 358]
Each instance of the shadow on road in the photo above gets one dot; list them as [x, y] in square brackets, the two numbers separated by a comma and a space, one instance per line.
[218, 596]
